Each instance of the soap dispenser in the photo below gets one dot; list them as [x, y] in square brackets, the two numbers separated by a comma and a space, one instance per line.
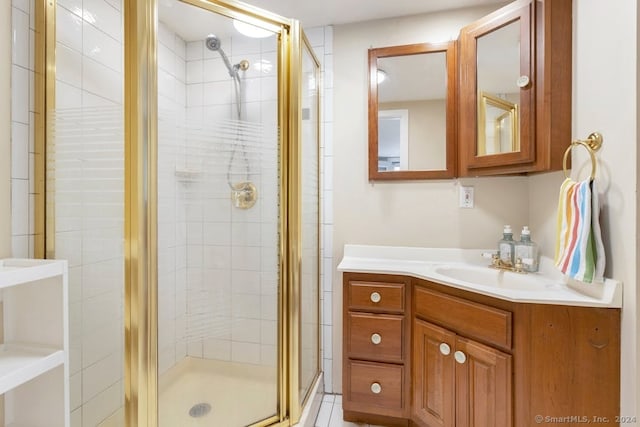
[527, 251]
[506, 246]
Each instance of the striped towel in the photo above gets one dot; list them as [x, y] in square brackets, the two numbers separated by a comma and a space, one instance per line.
[579, 248]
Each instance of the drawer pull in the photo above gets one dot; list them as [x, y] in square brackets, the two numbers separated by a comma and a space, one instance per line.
[376, 388]
[375, 297]
[460, 357]
[445, 349]
[376, 339]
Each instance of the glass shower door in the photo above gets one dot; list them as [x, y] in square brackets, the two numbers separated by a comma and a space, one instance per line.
[218, 219]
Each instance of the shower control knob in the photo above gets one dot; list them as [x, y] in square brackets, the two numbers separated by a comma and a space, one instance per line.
[376, 388]
[375, 297]
[523, 81]
[376, 339]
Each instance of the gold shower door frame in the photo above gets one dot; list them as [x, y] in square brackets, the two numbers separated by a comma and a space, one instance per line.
[140, 116]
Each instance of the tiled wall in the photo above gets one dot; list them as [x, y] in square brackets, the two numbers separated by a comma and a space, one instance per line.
[22, 126]
[321, 39]
[86, 186]
[172, 236]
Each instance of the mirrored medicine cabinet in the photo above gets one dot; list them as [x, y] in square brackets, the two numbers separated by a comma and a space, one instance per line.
[412, 111]
[503, 90]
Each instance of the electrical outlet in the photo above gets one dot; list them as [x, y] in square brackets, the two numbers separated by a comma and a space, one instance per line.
[466, 197]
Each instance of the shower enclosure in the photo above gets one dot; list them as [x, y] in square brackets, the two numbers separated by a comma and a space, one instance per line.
[182, 183]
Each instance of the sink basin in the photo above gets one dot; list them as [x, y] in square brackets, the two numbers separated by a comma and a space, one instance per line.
[494, 278]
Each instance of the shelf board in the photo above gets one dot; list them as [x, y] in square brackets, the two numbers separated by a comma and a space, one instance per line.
[20, 363]
[17, 271]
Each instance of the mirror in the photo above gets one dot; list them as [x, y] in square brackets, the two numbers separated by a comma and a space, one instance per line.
[496, 86]
[497, 125]
[412, 111]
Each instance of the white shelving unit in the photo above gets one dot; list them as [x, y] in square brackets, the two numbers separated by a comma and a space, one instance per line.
[34, 356]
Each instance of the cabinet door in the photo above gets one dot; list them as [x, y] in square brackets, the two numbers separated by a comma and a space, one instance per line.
[433, 375]
[483, 385]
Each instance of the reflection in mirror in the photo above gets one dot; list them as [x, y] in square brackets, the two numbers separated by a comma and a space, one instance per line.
[497, 125]
[498, 73]
[411, 123]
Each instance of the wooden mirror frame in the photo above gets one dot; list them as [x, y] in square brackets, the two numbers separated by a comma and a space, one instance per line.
[522, 11]
[449, 48]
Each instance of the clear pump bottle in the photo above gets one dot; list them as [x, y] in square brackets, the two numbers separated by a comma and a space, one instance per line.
[506, 246]
[527, 251]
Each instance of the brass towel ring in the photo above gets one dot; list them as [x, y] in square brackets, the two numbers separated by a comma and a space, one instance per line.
[592, 144]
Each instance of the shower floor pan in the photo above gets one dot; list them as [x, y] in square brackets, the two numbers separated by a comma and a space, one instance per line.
[199, 392]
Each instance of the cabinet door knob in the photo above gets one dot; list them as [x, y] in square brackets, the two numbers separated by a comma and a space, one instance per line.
[376, 388]
[445, 349]
[375, 297]
[460, 357]
[376, 338]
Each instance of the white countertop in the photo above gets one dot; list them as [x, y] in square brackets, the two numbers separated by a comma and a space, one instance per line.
[465, 269]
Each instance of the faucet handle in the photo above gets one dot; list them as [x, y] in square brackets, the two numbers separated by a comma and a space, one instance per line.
[488, 255]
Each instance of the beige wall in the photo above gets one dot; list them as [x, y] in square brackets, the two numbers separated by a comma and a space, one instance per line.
[427, 132]
[5, 130]
[605, 100]
[421, 213]
[426, 213]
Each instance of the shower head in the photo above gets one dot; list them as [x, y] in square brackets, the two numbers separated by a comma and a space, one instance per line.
[213, 42]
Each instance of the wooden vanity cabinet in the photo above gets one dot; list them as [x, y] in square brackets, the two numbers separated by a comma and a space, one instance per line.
[456, 380]
[376, 344]
[469, 359]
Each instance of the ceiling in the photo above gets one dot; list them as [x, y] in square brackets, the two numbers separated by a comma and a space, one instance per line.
[192, 23]
[325, 12]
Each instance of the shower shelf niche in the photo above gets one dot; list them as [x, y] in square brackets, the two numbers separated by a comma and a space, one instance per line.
[34, 355]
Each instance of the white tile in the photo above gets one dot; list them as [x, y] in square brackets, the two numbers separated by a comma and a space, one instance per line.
[326, 339]
[247, 282]
[245, 330]
[253, 89]
[327, 139]
[269, 332]
[20, 207]
[69, 29]
[101, 342]
[19, 150]
[217, 233]
[327, 105]
[103, 405]
[101, 375]
[98, 311]
[269, 355]
[76, 418]
[166, 59]
[116, 4]
[194, 95]
[166, 85]
[165, 36]
[246, 234]
[324, 414]
[328, 39]
[327, 207]
[245, 258]
[104, 17]
[195, 50]
[194, 72]
[327, 69]
[245, 306]
[216, 257]
[244, 352]
[101, 80]
[217, 349]
[20, 246]
[327, 311]
[328, 173]
[216, 93]
[214, 70]
[20, 38]
[180, 48]
[327, 239]
[21, 4]
[101, 47]
[269, 309]
[19, 94]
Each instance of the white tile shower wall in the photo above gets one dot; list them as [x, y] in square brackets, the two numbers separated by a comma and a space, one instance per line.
[87, 163]
[172, 240]
[321, 39]
[232, 253]
[22, 126]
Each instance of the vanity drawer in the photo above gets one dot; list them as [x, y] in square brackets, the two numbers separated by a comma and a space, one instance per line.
[375, 337]
[376, 296]
[473, 320]
[375, 388]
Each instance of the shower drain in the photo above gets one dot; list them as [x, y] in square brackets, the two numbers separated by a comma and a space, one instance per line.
[199, 410]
